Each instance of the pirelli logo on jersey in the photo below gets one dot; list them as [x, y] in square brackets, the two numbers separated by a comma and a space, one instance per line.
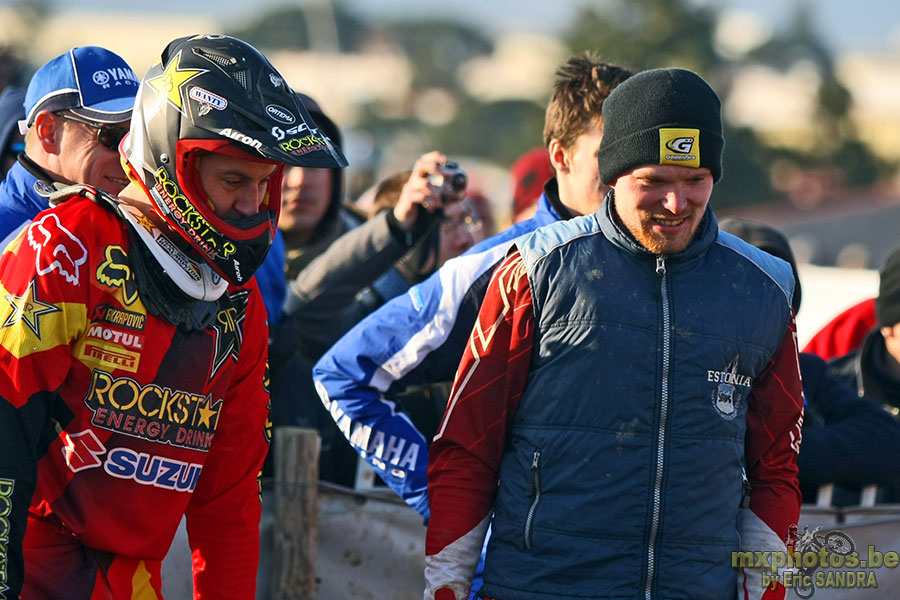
[152, 412]
[109, 356]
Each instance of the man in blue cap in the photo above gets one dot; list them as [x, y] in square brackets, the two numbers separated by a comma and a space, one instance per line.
[77, 109]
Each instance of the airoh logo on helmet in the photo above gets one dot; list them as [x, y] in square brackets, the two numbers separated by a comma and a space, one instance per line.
[240, 137]
[281, 114]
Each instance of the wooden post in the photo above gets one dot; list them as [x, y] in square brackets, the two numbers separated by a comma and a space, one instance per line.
[296, 513]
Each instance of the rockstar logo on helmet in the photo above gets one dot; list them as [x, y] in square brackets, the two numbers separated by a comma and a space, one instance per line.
[168, 84]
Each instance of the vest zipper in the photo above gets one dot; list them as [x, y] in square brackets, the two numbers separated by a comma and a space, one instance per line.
[661, 433]
[533, 488]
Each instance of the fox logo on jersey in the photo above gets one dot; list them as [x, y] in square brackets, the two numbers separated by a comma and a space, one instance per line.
[56, 248]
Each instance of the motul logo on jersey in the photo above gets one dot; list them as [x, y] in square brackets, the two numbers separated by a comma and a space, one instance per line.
[133, 341]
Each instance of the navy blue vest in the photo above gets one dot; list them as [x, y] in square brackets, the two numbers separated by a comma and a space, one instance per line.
[624, 469]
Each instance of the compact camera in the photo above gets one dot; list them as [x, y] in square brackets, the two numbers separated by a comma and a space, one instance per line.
[450, 179]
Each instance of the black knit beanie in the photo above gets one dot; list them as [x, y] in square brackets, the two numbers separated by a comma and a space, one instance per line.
[887, 304]
[655, 118]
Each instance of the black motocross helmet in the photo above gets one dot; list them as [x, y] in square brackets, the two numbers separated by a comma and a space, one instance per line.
[214, 93]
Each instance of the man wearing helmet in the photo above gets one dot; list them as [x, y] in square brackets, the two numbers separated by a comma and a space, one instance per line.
[133, 377]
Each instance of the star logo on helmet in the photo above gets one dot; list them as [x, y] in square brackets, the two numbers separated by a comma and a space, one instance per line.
[169, 83]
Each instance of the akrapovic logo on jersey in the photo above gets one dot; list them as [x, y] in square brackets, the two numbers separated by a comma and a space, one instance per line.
[152, 412]
[107, 313]
[679, 147]
[166, 473]
[6, 491]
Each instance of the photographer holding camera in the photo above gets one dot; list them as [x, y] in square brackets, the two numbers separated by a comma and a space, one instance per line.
[418, 221]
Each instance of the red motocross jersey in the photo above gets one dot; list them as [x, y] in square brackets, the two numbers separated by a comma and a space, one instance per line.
[149, 422]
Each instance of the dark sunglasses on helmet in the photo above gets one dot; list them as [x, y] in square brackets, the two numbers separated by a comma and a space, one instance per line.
[108, 135]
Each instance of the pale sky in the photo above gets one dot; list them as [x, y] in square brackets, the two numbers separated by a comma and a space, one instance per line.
[845, 25]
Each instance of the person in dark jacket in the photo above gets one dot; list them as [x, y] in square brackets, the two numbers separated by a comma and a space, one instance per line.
[632, 380]
[874, 368]
[847, 440]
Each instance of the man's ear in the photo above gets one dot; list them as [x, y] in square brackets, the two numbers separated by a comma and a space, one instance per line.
[558, 157]
[48, 131]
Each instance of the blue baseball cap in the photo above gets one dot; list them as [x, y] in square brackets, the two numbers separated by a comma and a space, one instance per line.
[90, 81]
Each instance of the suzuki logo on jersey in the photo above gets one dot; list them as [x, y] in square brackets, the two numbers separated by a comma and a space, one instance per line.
[82, 450]
[679, 147]
[56, 248]
[166, 473]
[727, 399]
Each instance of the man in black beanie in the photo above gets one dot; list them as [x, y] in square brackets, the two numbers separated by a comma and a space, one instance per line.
[874, 368]
[632, 380]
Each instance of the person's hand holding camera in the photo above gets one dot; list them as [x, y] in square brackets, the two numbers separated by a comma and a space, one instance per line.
[434, 181]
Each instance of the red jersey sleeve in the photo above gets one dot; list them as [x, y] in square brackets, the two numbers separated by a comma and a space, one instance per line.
[224, 511]
[465, 456]
[774, 422]
[43, 293]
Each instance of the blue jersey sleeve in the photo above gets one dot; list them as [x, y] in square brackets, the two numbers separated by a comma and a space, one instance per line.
[415, 338]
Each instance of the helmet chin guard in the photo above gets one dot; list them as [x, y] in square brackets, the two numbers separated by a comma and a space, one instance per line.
[212, 93]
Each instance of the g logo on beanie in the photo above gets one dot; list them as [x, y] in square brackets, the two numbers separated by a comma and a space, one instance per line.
[677, 147]
[661, 117]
